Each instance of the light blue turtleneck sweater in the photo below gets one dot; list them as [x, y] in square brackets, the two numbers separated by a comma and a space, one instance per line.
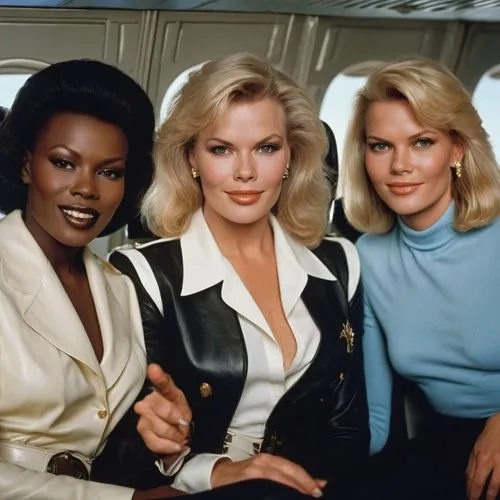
[432, 305]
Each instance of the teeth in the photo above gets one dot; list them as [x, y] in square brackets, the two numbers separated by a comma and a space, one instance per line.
[77, 214]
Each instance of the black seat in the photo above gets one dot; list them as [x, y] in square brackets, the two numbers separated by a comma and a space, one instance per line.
[339, 221]
[331, 160]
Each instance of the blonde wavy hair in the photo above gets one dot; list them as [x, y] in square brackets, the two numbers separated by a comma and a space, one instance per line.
[439, 101]
[174, 195]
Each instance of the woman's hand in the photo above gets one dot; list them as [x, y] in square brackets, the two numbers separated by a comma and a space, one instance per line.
[265, 466]
[165, 416]
[485, 460]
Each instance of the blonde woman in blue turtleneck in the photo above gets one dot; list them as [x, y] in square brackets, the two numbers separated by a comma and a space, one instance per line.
[421, 179]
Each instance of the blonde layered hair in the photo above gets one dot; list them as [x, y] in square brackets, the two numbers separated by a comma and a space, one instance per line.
[439, 101]
[174, 195]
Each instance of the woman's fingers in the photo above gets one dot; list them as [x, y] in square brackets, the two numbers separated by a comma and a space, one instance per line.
[165, 385]
[164, 415]
[264, 466]
[155, 404]
[160, 428]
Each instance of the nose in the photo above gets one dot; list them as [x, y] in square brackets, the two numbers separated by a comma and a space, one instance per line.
[401, 161]
[244, 169]
[84, 185]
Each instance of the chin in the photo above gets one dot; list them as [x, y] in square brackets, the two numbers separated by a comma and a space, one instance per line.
[244, 214]
[245, 220]
[77, 240]
[405, 208]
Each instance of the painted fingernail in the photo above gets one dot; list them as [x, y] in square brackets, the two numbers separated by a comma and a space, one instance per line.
[317, 493]
[183, 422]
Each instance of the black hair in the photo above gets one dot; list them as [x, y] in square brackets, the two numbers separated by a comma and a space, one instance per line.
[3, 113]
[86, 87]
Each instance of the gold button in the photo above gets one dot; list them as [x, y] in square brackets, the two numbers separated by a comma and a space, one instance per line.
[102, 414]
[205, 390]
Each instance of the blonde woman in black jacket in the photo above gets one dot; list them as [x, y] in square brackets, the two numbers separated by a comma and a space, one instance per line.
[257, 317]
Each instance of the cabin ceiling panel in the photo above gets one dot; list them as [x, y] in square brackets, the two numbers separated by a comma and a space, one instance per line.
[474, 10]
[187, 39]
[23, 39]
[52, 35]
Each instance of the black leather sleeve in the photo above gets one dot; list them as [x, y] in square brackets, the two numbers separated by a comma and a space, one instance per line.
[126, 460]
[153, 321]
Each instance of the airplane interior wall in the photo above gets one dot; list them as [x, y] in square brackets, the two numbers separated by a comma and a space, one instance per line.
[155, 47]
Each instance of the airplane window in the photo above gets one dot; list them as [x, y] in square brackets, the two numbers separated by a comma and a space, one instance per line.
[9, 85]
[486, 98]
[174, 87]
[336, 107]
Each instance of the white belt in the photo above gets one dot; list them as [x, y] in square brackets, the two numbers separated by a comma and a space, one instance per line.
[240, 446]
[34, 458]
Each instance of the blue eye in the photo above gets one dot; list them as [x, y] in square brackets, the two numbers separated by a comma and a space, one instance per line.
[378, 147]
[219, 150]
[268, 148]
[424, 142]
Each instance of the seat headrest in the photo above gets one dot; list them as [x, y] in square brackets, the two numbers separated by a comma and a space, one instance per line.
[331, 159]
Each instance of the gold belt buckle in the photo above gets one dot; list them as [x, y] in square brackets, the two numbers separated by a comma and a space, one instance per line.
[66, 464]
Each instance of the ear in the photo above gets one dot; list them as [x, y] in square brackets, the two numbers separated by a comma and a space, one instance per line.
[458, 147]
[26, 170]
[459, 152]
[190, 157]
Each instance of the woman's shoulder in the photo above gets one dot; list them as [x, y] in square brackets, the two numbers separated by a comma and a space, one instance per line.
[111, 274]
[333, 242]
[147, 250]
[371, 245]
[147, 264]
[492, 230]
[140, 258]
[341, 256]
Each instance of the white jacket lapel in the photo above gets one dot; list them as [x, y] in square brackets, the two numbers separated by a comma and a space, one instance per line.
[115, 308]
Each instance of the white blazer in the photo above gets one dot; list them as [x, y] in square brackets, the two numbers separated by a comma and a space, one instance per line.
[54, 394]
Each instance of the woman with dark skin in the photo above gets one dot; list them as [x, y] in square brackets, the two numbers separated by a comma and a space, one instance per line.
[75, 158]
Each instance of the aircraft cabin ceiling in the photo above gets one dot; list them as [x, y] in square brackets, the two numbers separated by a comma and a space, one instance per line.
[469, 10]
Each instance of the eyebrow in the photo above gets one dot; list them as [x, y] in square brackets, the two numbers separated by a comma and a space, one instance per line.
[414, 136]
[75, 153]
[67, 148]
[262, 141]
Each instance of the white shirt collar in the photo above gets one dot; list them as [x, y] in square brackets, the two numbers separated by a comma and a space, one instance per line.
[205, 266]
[285, 245]
[202, 261]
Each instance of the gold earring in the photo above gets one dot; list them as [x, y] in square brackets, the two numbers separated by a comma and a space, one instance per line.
[458, 168]
[287, 169]
[194, 172]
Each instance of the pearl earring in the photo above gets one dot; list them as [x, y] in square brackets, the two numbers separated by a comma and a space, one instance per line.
[458, 168]
[194, 172]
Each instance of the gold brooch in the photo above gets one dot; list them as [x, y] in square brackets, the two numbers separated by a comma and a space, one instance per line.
[205, 390]
[347, 333]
